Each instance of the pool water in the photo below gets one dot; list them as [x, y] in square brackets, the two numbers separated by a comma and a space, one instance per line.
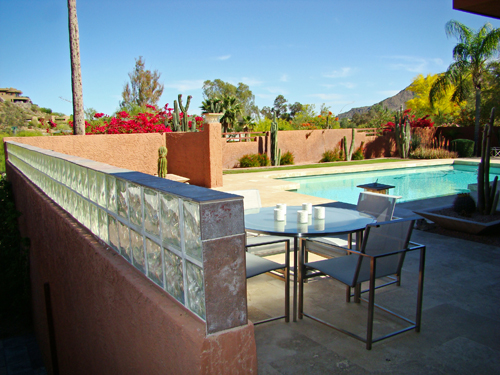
[410, 183]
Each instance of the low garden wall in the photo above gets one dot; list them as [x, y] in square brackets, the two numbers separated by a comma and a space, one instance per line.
[188, 153]
[308, 146]
[131, 274]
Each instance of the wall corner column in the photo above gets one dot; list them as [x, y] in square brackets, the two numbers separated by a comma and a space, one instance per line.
[214, 170]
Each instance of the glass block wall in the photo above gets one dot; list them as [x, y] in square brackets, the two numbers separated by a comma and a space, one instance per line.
[156, 231]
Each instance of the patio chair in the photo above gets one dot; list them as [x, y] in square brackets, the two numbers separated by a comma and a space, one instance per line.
[381, 206]
[382, 253]
[256, 265]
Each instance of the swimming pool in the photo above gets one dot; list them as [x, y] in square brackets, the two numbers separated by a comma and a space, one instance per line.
[410, 183]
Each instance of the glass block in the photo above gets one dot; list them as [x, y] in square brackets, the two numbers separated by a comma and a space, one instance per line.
[111, 197]
[79, 179]
[113, 236]
[72, 176]
[195, 289]
[85, 182]
[137, 243]
[101, 189]
[170, 229]
[85, 212]
[174, 280]
[103, 225]
[155, 264]
[64, 172]
[135, 203]
[151, 214]
[192, 235]
[121, 198]
[92, 185]
[123, 233]
[94, 218]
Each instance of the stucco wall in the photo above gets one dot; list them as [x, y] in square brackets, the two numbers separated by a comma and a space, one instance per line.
[108, 318]
[307, 146]
[197, 156]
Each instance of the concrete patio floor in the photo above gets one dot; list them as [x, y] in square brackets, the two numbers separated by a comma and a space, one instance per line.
[460, 331]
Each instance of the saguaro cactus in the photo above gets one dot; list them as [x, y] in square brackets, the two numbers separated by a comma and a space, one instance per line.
[176, 118]
[162, 162]
[275, 152]
[348, 153]
[185, 117]
[402, 133]
[487, 198]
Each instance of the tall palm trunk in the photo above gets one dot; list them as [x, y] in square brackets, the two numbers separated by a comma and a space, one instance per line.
[476, 124]
[76, 74]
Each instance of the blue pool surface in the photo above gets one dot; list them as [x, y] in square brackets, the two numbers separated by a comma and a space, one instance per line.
[410, 183]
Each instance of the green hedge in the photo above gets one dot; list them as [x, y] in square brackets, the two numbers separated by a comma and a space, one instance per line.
[464, 147]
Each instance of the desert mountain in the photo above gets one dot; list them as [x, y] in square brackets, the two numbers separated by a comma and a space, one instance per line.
[393, 103]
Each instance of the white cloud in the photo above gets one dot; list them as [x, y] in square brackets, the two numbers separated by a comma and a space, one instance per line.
[277, 90]
[348, 85]
[251, 81]
[284, 78]
[413, 64]
[222, 58]
[327, 96]
[266, 96]
[186, 85]
[344, 72]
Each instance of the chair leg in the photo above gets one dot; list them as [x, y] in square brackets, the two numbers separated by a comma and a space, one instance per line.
[348, 294]
[287, 281]
[301, 271]
[357, 293]
[371, 305]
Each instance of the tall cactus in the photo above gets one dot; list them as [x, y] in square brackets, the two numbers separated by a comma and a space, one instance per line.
[185, 117]
[487, 199]
[176, 118]
[402, 134]
[348, 153]
[275, 152]
[162, 162]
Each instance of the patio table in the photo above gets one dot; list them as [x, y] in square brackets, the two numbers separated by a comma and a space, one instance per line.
[337, 221]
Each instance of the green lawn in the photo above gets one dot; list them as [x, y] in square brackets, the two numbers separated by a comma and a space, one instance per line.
[309, 166]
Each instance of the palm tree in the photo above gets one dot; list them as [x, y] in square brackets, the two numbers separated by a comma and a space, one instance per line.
[231, 109]
[465, 74]
[76, 73]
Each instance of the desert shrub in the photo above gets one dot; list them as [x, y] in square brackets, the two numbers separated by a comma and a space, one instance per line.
[287, 158]
[29, 133]
[463, 147]
[359, 154]
[332, 155]
[432, 153]
[263, 160]
[249, 161]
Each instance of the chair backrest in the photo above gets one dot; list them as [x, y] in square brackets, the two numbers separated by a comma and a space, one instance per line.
[251, 198]
[383, 238]
[381, 206]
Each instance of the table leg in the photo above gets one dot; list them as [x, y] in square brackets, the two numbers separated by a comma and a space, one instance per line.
[295, 275]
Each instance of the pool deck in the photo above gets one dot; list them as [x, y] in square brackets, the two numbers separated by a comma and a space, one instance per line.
[461, 311]
[272, 190]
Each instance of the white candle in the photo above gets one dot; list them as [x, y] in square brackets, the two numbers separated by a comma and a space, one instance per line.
[279, 215]
[319, 213]
[279, 226]
[302, 228]
[319, 225]
[302, 216]
[307, 207]
[282, 206]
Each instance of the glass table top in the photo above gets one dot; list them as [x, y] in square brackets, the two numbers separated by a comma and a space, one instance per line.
[337, 221]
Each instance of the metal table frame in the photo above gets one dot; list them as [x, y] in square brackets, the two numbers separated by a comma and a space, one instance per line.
[258, 220]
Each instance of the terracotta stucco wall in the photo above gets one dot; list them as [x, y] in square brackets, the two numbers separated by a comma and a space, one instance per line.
[197, 156]
[307, 146]
[108, 318]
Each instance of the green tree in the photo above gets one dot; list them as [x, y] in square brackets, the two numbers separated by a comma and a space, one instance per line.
[466, 73]
[281, 107]
[232, 111]
[219, 89]
[295, 108]
[491, 93]
[144, 87]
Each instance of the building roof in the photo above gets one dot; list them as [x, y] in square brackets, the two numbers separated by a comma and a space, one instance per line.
[490, 8]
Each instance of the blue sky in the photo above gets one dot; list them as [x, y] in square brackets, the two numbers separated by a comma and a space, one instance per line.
[342, 53]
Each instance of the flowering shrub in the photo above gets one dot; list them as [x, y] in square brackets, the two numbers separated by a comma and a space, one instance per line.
[424, 122]
[152, 120]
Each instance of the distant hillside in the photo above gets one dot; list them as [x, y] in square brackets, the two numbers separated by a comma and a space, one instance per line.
[393, 103]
